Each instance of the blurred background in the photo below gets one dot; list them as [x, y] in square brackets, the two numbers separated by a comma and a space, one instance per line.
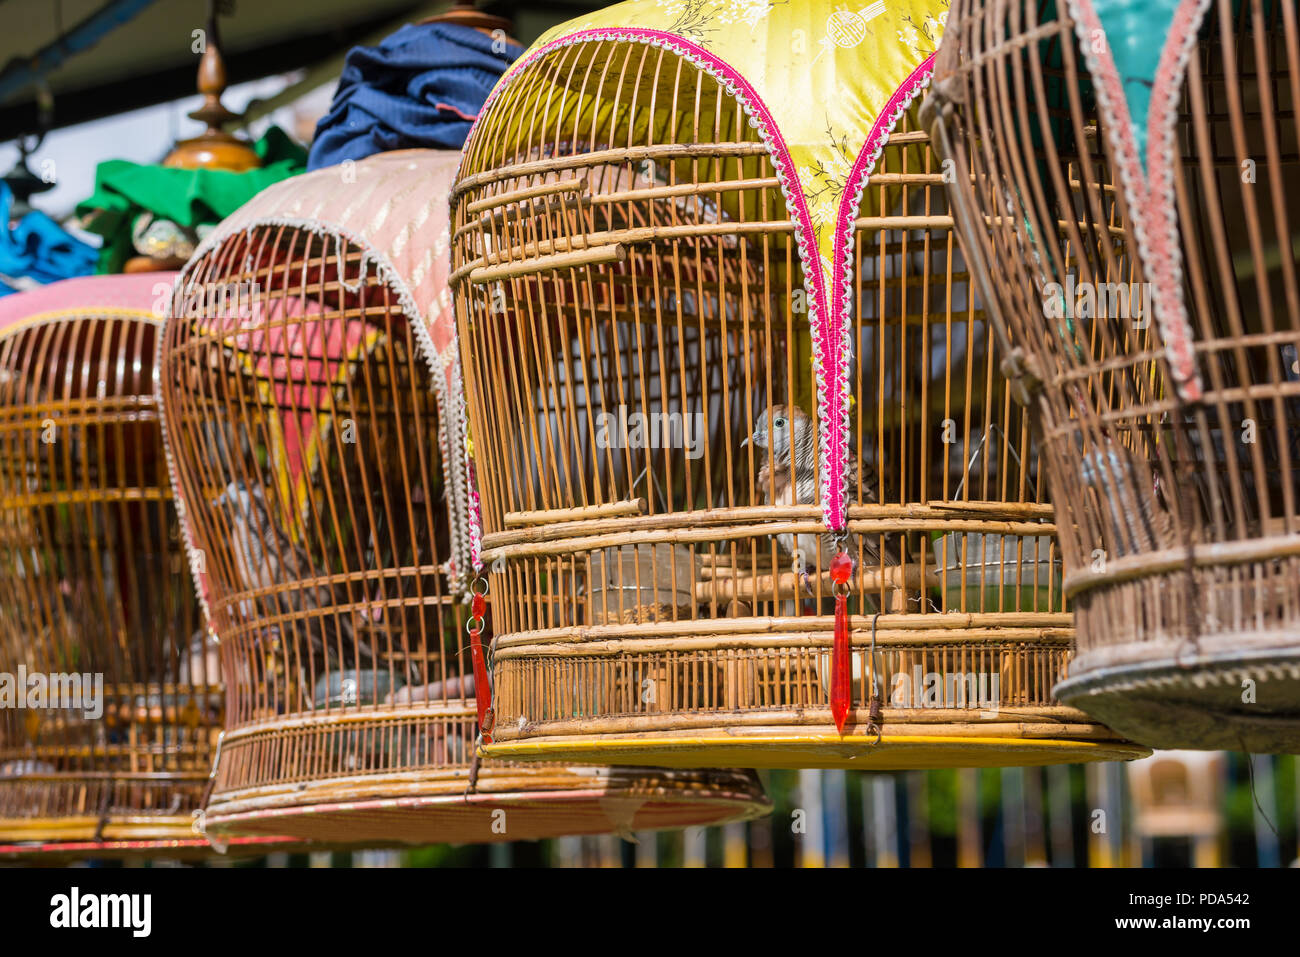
[71, 101]
[1175, 809]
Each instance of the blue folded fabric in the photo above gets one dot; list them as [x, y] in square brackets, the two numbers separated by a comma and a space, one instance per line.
[38, 250]
[421, 87]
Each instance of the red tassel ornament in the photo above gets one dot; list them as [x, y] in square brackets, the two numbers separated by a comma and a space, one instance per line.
[841, 651]
[482, 692]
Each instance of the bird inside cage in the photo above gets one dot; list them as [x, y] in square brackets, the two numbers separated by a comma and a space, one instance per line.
[266, 559]
[787, 442]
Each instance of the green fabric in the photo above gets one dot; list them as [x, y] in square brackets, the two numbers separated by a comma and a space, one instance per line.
[189, 197]
[1136, 31]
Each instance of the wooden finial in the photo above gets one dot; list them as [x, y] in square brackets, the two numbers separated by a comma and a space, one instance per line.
[464, 13]
[214, 148]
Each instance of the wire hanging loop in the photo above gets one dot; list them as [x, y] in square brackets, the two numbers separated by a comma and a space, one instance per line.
[840, 539]
[476, 758]
[875, 709]
[200, 813]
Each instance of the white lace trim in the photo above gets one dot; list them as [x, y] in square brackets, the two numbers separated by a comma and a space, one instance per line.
[847, 337]
[178, 496]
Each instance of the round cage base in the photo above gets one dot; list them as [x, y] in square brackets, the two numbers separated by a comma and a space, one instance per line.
[1215, 697]
[90, 829]
[52, 853]
[508, 804]
[897, 748]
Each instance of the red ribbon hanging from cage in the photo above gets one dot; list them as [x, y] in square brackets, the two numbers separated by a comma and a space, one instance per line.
[841, 650]
[482, 688]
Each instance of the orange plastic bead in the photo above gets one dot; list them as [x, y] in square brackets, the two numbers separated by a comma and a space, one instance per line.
[841, 568]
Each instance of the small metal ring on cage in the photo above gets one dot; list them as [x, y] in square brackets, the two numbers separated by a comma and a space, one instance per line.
[470, 627]
[873, 717]
[841, 588]
[479, 580]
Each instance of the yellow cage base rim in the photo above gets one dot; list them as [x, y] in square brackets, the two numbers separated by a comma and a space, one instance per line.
[86, 828]
[748, 748]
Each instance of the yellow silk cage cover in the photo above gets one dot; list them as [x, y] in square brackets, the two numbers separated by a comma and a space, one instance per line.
[823, 82]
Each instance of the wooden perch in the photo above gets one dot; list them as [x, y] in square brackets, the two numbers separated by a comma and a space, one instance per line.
[786, 585]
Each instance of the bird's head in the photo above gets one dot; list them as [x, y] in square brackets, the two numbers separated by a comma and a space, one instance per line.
[784, 427]
[237, 499]
[231, 497]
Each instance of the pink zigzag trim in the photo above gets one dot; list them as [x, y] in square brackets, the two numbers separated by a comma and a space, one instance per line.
[837, 411]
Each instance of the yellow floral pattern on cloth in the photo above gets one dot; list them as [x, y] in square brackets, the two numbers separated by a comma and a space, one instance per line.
[826, 71]
[824, 82]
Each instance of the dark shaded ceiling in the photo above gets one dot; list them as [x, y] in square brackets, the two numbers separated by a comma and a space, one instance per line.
[149, 58]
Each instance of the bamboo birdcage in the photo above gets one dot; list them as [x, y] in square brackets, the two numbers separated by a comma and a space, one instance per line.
[302, 389]
[1167, 409]
[631, 223]
[93, 585]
